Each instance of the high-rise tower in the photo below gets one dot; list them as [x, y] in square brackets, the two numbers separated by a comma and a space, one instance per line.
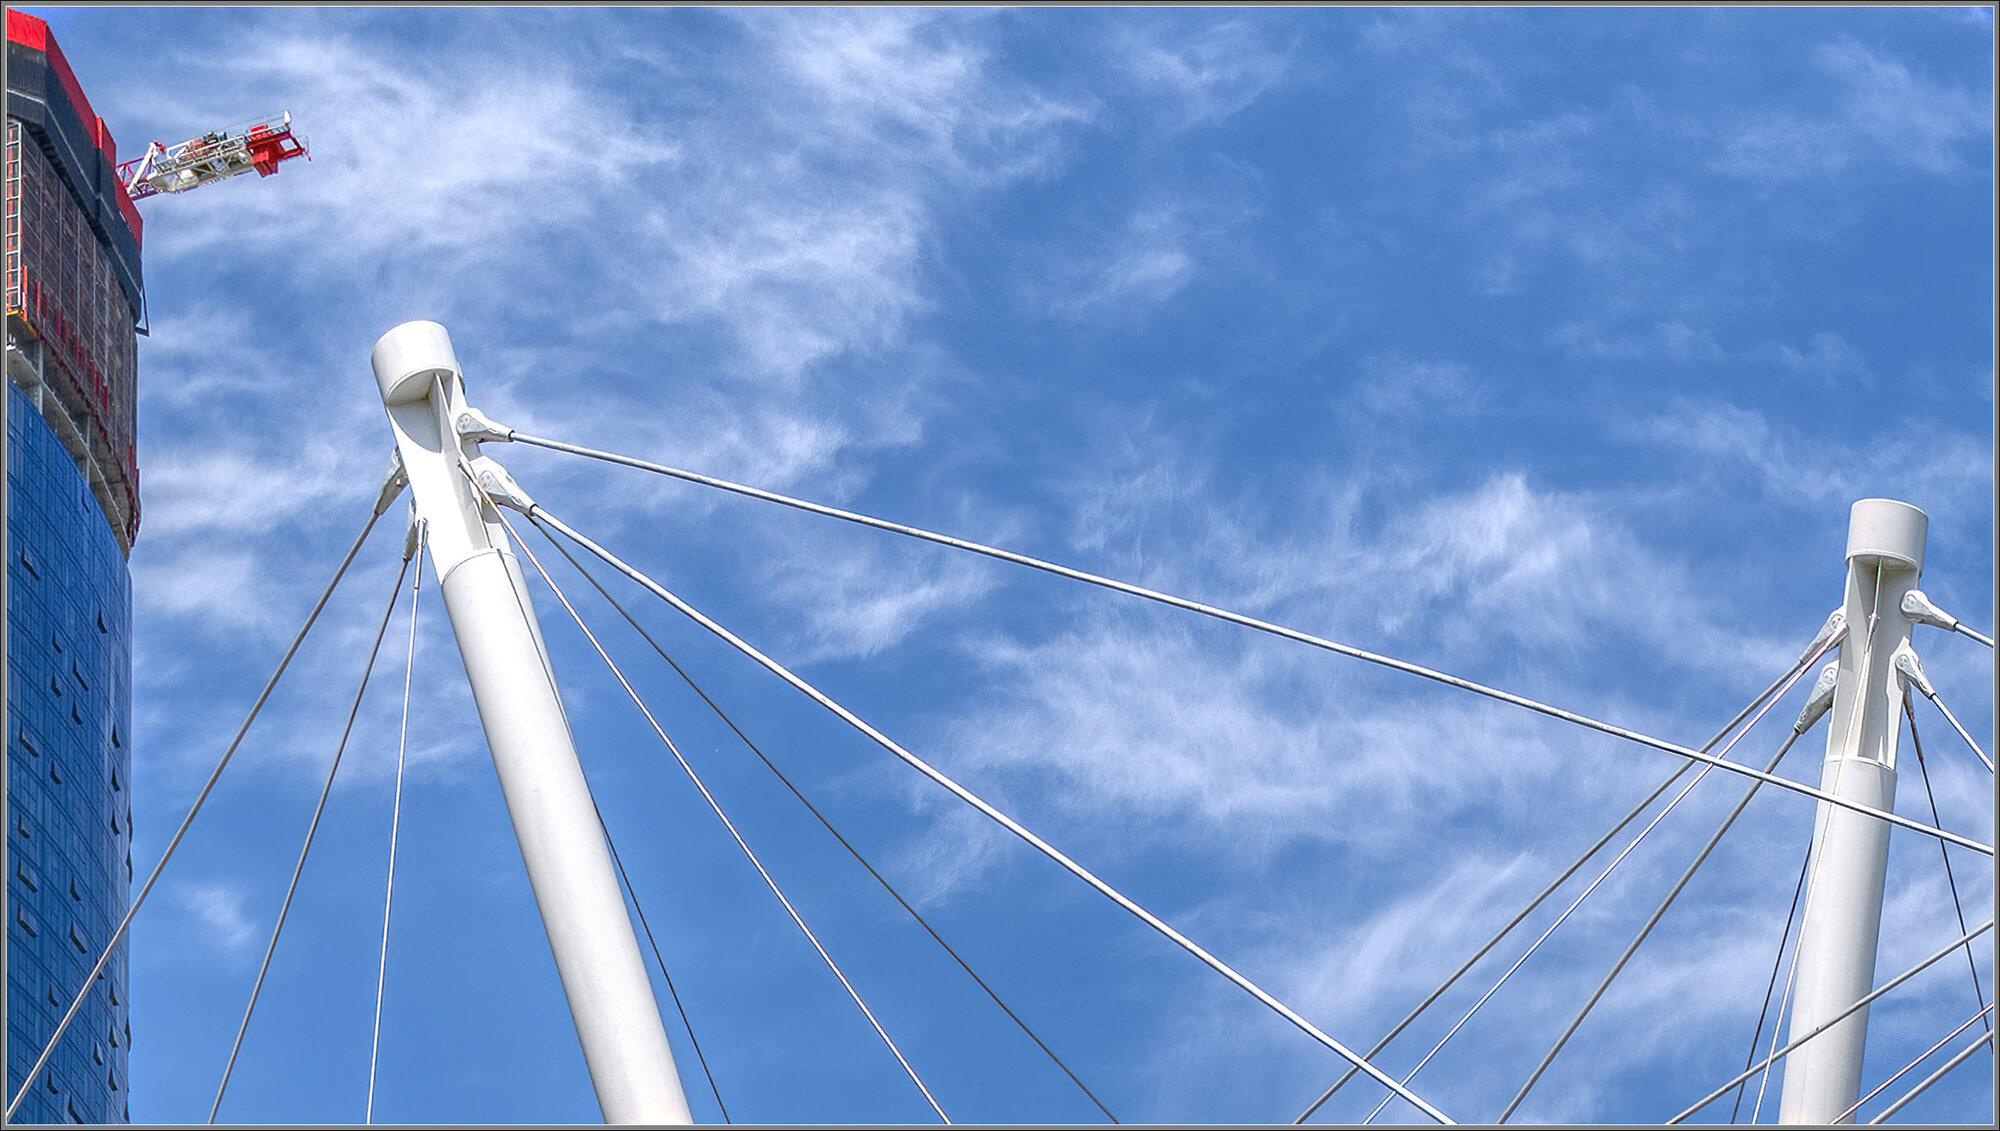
[73, 299]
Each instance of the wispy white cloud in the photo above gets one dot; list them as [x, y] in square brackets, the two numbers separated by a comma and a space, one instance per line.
[1457, 84]
[1145, 263]
[1829, 359]
[1945, 471]
[223, 589]
[962, 849]
[804, 232]
[792, 224]
[1130, 733]
[855, 602]
[231, 491]
[785, 228]
[1397, 387]
[1913, 120]
[1125, 270]
[453, 159]
[213, 556]
[1673, 340]
[1408, 920]
[1880, 110]
[218, 907]
[205, 353]
[1255, 743]
[1537, 182]
[1459, 571]
[1114, 731]
[1209, 72]
[1363, 968]
[1825, 360]
[1556, 571]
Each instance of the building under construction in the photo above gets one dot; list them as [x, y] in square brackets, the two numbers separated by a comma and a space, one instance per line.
[75, 300]
[73, 286]
[74, 297]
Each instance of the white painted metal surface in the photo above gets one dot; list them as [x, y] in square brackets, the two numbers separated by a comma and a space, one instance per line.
[1843, 916]
[583, 910]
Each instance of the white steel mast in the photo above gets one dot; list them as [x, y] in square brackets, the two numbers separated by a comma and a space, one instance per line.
[1850, 851]
[555, 822]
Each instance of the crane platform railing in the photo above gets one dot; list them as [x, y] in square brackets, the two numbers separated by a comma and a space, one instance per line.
[258, 145]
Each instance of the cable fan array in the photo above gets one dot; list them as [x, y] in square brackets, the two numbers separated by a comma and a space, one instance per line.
[555, 533]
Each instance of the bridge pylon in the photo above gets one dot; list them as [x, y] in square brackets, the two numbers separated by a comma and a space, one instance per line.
[555, 821]
[1850, 851]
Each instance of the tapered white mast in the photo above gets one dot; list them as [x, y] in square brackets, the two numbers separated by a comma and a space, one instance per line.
[555, 822]
[1850, 852]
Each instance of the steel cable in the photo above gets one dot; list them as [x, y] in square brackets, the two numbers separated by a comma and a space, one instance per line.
[1805, 660]
[1536, 945]
[633, 894]
[312, 830]
[996, 815]
[201, 798]
[1772, 701]
[1771, 986]
[828, 825]
[1632, 948]
[1964, 1055]
[1247, 622]
[1962, 732]
[728, 824]
[1791, 980]
[1979, 636]
[1982, 1015]
[395, 822]
[1957, 905]
[1865, 1001]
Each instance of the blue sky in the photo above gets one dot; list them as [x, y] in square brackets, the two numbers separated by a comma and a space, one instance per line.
[1548, 347]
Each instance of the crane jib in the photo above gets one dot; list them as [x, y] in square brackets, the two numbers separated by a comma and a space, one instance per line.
[214, 156]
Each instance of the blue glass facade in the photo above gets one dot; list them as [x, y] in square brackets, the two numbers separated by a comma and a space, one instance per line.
[69, 822]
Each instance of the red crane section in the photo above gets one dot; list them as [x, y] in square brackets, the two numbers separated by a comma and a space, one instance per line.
[214, 156]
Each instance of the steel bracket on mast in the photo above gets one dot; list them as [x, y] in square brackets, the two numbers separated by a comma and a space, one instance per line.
[1918, 607]
[413, 533]
[393, 481]
[498, 485]
[1835, 626]
[1821, 699]
[478, 427]
[1912, 670]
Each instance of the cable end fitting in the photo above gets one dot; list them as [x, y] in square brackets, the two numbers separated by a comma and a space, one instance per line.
[1912, 670]
[1821, 700]
[499, 486]
[1832, 631]
[413, 534]
[393, 482]
[1919, 608]
[478, 427]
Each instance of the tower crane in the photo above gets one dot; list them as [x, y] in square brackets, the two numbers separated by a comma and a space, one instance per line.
[214, 156]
